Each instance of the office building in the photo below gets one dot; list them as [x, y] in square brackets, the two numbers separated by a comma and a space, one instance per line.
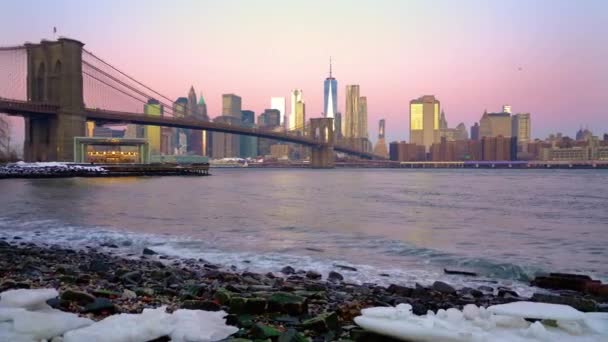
[354, 121]
[475, 132]
[380, 148]
[225, 145]
[248, 145]
[270, 118]
[300, 117]
[278, 103]
[296, 96]
[521, 128]
[506, 109]
[330, 95]
[495, 124]
[424, 121]
[152, 133]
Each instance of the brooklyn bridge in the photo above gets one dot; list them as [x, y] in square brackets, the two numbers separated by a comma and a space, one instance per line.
[57, 86]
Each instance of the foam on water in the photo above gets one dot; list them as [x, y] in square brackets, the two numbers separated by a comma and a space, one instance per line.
[131, 244]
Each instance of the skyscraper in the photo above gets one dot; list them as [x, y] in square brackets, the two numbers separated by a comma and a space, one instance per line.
[506, 109]
[225, 145]
[443, 122]
[521, 128]
[152, 133]
[300, 116]
[380, 148]
[278, 103]
[350, 121]
[296, 96]
[475, 132]
[330, 95]
[363, 133]
[424, 121]
[248, 145]
[495, 124]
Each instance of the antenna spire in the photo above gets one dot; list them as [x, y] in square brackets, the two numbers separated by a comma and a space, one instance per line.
[329, 66]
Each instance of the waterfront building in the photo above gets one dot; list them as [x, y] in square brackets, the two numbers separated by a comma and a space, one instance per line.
[179, 136]
[475, 132]
[248, 145]
[296, 96]
[506, 109]
[278, 103]
[498, 148]
[424, 121]
[405, 152]
[300, 117]
[152, 133]
[279, 151]
[461, 132]
[495, 124]
[225, 145]
[338, 126]
[270, 118]
[380, 148]
[443, 123]
[521, 128]
[4, 136]
[354, 121]
[330, 95]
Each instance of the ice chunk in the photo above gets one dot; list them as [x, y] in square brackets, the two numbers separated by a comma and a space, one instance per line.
[46, 325]
[8, 314]
[149, 325]
[597, 322]
[481, 325]
[26, 298]
[200, 326]
[470, 311]
[556, 312]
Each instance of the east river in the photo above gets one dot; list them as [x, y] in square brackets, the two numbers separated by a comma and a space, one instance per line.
[391, 225]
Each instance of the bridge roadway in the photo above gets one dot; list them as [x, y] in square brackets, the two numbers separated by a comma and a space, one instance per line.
[23, 108]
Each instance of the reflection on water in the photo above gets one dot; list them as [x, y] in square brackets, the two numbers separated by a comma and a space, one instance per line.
[552, 220]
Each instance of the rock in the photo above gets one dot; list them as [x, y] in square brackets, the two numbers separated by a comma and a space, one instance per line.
[563, 281]
[400, 290]
[419, 309]
[346, 268]
[335, 277]
[313, 275]
[487, 289]
[100, 305]
[442, 287]
[255, 306]
[81, 298]
[262, 332]
[222, 296]
[579, 303]
[459, 272]
[106, 293]
[206, 305]
[291, 335]
[4, 244]
[287, 303]
[133, 277]
[288, 270]
[322, 323]
[98, 266]
[507, 293]
[148, 251]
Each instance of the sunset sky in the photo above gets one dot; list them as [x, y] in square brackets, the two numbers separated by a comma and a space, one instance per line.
[549, 58]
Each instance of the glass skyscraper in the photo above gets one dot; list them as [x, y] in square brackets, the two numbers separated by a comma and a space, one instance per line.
[330, 95]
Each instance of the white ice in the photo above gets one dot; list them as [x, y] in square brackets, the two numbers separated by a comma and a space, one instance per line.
[538, 310]
[26, 298]
[477, 324]
[25, 317]
[200, 326]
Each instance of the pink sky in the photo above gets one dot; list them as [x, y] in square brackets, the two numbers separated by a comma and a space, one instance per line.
[548, 58]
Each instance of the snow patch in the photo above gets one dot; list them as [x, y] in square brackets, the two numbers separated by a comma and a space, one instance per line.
[26, 298]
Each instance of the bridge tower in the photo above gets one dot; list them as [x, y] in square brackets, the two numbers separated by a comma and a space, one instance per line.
[54, 75]
[322, 130]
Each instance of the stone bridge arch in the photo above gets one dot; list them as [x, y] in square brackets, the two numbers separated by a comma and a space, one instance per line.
[322, 154]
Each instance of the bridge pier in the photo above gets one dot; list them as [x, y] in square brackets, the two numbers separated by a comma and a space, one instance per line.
[54, 75]
[322, 155]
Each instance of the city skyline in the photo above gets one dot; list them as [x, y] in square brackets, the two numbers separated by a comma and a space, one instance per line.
[546, 71]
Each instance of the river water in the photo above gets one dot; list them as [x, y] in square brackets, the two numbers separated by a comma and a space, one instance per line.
[394, 226]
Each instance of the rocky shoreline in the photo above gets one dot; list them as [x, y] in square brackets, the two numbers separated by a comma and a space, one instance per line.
[293, 305]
